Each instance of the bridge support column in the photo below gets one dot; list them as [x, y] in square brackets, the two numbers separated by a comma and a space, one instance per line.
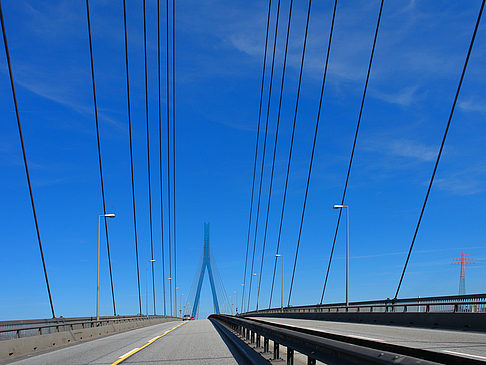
[258, 342]
[252, 337]
[290, 356]
[311, 361]
[276, 350]
[265, 344]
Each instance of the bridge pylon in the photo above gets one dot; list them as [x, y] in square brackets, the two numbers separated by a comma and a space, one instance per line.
[206, 264]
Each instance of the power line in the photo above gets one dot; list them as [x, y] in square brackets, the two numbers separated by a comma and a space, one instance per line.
[292, 140]
[256, 155]
[131, 155]
[354, 147]
[273, 160]
[25, 159]
[313, 148]
[148, 151]
[262, 168]
[275, 144]
[160, 159]
[168, 158]
[99, 152]
[442, 144]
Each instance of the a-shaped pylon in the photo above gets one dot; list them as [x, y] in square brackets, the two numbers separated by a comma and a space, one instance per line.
[205, 265]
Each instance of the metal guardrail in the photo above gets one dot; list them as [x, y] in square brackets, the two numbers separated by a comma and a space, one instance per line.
[473, 303]
[25, 328]
[329, 347]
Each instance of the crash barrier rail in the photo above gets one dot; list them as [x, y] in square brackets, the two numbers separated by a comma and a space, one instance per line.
[25, 328]
[329, 347]
[473, 303]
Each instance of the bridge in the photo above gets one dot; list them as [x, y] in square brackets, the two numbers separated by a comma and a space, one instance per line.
[281, 290]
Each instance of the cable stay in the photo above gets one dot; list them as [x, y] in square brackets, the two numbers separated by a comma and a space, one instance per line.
[256, 156]
[24, 155]
[99, 153]
[354, 147]
[313, 149]
[442, 144]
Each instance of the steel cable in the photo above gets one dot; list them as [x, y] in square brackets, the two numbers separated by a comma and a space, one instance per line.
[256, 155]
[160, 160]
[99, 153]
[261, 175]
[174, 151]
[293, 133]
[131, 154]
[354, 147]
[148, 152]
[14, 95]
[442, 144]
[168, 159]
[275, 147]
[274, 151]
[313, 149]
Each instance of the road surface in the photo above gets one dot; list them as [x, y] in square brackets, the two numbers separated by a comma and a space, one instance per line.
[463, 343]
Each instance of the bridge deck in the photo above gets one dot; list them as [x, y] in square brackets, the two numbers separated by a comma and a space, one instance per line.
[195, 342]
[465, 343]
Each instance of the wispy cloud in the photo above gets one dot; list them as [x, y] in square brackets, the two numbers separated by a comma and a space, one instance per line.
[473, 106]
[401, 148]
[403, 97]
[465, 182]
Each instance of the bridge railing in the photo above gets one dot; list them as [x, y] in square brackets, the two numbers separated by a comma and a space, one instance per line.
[25, 328]
[456, 303]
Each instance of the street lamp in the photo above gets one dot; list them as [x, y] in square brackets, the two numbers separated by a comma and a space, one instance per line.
[98, 281]
[249, 291]
[170, 286]
[148, 283]
[242, 297]
[340, 206]
[180, 305]
[236, 302]
[277, 255]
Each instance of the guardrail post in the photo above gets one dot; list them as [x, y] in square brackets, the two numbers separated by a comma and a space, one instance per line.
[265, 344]
[276, 350]
[252, 336]
[18, 333]
[258, 342]
[290, 356]
[311, 361]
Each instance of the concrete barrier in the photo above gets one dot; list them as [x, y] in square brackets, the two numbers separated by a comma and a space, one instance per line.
[18, 347]
[439, 320]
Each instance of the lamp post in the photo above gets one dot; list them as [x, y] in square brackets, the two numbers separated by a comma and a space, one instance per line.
[242, 297]
[148, 283]
[180, 305]
[278, 255]
[236, 302]
[249, 291]
[111, 215]
[339, 206]
[170, 286]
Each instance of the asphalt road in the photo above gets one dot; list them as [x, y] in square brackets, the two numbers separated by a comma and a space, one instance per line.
[464, 343]
[195, 342]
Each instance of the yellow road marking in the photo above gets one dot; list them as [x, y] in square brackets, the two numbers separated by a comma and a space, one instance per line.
[134, 351]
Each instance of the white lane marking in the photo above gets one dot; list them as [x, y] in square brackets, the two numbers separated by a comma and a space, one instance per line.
[463, 354]
[366, 338]
[129, 352]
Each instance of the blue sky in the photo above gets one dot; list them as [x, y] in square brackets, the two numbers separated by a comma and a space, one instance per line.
[419, 56]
